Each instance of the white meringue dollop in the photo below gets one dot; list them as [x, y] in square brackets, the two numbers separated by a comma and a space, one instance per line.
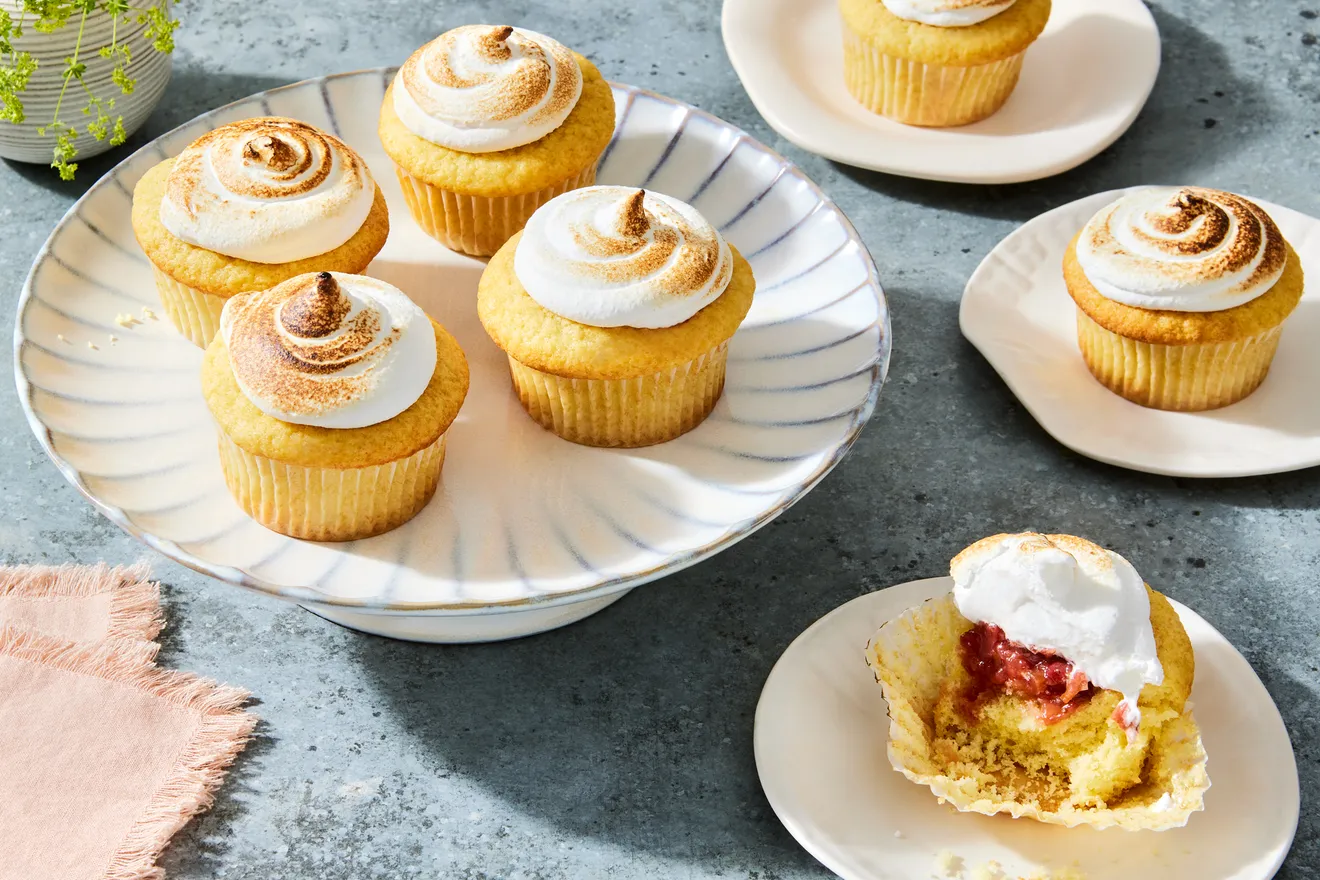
[947, 13]
[268, 190]
[1184, 249]
[617, 256]
[330, 350]
[483, 88]
[1069, 597]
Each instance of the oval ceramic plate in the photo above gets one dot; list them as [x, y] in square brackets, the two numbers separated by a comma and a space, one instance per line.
[1017, 312]
[1083, 83]
[523, 520]
[821, 729]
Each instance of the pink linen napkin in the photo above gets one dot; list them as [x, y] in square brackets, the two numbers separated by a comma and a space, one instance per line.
[81, 603]
[103, 756]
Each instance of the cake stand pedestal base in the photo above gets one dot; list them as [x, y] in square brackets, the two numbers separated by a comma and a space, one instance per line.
[487, 625]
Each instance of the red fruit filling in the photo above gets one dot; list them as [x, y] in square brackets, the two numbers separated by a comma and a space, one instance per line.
[998, 665]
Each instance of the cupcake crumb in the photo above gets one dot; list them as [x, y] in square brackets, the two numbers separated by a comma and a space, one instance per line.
[898, 835]
[92, 345]
[989, 871]
[148, 314]
[61, 337]
[126, 320]
[947, 864]
[114, 339]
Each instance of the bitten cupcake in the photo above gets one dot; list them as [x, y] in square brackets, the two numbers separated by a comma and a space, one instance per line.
[248, 206]
[332, 395]
[615, 307]
[937, 62]
[1181, 296]
[1052, 684]
[485, 124]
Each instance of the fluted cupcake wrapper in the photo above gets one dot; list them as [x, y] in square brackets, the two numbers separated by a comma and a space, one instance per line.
[331, 504]
[913, 654]
[915, 93]
[623, 412]
[194, 313]
[478, 225]
[1186, 378]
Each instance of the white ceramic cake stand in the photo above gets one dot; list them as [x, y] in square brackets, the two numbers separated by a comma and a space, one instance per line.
[527, 532]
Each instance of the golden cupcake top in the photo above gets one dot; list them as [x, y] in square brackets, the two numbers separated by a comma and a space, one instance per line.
[485, 88]
[267, 190]
[331, 350]
[1182, 249]
[612, 256]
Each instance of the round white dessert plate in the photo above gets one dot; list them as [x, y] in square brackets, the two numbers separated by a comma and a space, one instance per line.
[821, 733]
[527, 531]
[1017, 312]
[1083, 83]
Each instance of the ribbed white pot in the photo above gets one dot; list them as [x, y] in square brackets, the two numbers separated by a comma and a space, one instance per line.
[149, 68]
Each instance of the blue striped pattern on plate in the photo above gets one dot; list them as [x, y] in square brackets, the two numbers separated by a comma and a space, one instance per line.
[521, 517]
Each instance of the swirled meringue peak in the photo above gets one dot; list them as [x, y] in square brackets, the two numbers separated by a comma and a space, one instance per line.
[947, 13]
[616, 256]
[483, 88]
[331, 350]
[268, 190]
[1182, 249]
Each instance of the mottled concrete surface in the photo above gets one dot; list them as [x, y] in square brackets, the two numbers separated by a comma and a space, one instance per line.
[622, 747]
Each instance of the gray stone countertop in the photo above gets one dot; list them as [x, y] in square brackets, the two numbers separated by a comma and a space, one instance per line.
[621, 747]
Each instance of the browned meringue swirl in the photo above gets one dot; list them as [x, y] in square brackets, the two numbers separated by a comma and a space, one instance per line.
[327, 349]
[611, 256]
[483, 88]
[269, 190]
[525, 90]
[264, 158]
[1182, 249]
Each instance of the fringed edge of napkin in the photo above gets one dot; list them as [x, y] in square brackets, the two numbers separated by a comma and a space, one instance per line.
[190, 787]
[134, 606]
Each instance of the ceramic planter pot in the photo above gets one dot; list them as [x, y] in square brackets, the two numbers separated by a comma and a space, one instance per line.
[149, 68]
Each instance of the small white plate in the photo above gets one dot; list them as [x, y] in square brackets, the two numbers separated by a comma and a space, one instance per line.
[821, 732]
[527, 531]
[1083, 83]
[1017, 312]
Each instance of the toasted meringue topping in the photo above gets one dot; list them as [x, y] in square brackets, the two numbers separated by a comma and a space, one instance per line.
[331, 350]
[483, 88]
[947, 13]
[1184, 250]
[1066, 596]
[269, 190]
[615, 256]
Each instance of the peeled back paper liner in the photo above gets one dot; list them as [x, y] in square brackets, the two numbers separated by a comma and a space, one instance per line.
[478, 225]
[911, 657]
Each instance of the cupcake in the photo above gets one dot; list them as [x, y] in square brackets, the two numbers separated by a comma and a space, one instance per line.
[248, 206]
[1052, 683]
[937, 62]
[332, 395]
[486, 124]
[615, 307]
[1181, 296]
